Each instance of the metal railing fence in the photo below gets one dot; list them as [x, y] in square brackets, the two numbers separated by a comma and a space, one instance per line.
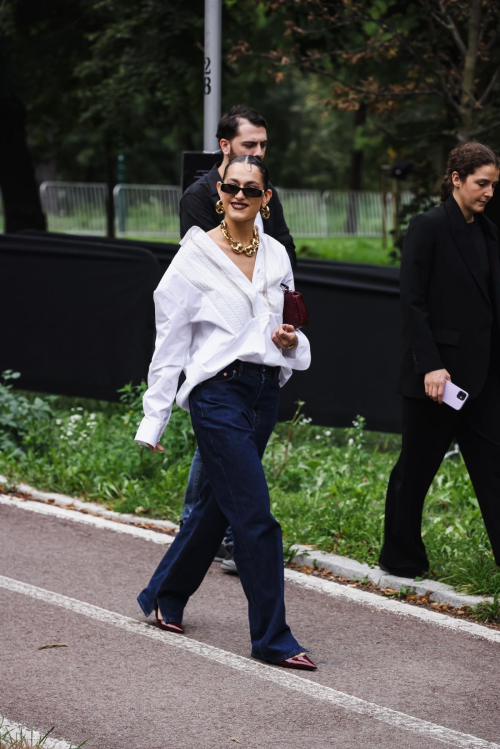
[147, 210]
[353, 213]
[75, 207]
[153, 210]
[304, 212]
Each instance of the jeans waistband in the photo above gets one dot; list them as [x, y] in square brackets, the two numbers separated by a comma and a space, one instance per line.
[248, 366]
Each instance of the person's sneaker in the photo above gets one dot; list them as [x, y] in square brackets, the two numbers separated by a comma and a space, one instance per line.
[228, 564]
[221, 554]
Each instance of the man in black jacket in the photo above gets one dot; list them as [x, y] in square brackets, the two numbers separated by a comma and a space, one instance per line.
[242, 130]
[450, 296]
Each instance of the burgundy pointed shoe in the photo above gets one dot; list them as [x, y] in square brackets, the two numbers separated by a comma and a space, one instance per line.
[175, 627]
[301, 662]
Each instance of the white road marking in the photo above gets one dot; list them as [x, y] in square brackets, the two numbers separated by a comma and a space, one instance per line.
[393, 718]
[328, 587]
[79, 517]
[17, 731]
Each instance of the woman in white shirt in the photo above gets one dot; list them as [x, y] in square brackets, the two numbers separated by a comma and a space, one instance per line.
[219, 317]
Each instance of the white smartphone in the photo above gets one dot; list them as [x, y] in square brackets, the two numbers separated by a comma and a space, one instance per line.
[454, 396]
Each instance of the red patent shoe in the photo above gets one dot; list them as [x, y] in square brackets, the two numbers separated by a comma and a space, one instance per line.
[169, 626]
[301, 662]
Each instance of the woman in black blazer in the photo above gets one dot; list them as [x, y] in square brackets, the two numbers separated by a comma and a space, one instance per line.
[450, 295]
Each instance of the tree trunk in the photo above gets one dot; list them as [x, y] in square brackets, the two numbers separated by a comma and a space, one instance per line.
[355, 176]
[21, 197]
[110, 184]
[467, 100]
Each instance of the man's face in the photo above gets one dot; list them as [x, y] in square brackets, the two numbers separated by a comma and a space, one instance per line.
[249, 140]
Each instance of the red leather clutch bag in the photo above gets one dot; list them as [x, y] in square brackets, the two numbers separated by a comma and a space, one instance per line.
[294, 308]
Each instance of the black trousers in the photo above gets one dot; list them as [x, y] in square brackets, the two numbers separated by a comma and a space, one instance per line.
[428, 431]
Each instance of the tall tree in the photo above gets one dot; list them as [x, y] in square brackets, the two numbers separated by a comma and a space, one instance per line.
[425, 69]
[103, 71]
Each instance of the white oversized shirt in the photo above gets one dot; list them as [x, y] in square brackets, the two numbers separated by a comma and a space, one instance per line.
[208, 313]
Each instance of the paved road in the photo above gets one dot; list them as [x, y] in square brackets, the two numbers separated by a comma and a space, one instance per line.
[128, 685]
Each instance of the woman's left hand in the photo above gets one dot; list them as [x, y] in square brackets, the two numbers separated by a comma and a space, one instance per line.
[284, 336]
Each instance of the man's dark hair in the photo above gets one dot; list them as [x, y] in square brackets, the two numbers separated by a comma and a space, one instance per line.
[230, 122]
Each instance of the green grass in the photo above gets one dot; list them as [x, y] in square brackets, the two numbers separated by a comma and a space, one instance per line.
[25, 738]
[327, 485]
[347, 249]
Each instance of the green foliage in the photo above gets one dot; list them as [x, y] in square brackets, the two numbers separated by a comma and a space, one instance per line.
[327, 486]
[97, 77]
[21, 420]
[401, 594]
[487, 611]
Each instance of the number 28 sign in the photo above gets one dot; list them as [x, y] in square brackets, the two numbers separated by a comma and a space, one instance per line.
[208, 79]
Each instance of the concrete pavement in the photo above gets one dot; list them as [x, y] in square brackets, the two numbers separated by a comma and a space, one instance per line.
[384, 679]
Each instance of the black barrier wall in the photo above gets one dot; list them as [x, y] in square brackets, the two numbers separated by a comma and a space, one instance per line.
[77, 319]
[76, 322]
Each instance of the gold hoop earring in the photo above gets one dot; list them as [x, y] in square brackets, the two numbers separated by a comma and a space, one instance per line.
[219, 208]
[265, 212]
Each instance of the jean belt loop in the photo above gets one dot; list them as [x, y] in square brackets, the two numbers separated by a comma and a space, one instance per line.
[240, 369]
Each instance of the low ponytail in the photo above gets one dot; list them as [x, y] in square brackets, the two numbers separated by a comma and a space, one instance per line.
[446, 187]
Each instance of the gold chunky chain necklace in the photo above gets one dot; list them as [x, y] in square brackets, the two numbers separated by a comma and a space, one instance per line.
[237, 247]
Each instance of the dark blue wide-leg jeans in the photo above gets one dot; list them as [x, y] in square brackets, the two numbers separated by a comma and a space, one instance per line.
[196, 479]
[233, 415]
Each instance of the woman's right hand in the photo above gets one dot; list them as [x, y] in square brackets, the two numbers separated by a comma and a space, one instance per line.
[434, 383]
[158, 447]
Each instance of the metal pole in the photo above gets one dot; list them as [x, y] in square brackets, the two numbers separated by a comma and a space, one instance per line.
[212, 73]
[395, 211]
[122, 205]
[385, 169]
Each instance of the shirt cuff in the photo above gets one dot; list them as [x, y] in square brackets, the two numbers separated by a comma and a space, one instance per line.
[149, 432]
[299, 357]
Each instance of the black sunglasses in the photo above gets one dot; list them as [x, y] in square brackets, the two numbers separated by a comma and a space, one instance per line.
[248, 192]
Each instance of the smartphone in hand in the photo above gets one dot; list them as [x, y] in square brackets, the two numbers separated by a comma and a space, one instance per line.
[454, 396]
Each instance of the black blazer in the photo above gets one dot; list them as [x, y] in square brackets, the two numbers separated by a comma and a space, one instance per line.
[197, 208]
[447, 312]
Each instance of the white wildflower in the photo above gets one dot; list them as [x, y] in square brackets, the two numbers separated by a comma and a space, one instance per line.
[92, 417]
[318, 436]
[58, 421]
[69, 433]
[327, 433]
[351, 441]
[79, 408]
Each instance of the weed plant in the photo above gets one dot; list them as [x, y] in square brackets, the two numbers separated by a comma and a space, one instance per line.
[327, 486]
